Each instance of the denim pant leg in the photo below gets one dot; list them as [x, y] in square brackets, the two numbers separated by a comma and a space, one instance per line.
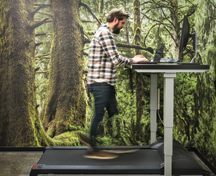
[112, 103]
[104, 96]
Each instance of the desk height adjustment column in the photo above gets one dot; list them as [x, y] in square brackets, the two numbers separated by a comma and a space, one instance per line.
[153, 106]
[168, 121]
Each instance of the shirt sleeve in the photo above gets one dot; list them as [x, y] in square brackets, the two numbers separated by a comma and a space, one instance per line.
[108, 44]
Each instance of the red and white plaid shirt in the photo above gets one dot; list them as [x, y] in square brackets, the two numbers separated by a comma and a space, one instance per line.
[104, 57]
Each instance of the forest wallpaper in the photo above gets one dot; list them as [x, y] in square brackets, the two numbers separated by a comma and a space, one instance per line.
[44, 97]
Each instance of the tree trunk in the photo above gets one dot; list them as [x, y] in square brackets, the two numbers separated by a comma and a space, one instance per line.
[101, 11]
[19, 123]
[65, 104]
[139, 80]
[176, 29]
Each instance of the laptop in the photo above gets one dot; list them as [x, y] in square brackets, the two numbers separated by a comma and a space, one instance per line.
[158, 58]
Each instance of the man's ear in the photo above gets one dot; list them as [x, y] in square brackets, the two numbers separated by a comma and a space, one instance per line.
[115, 20]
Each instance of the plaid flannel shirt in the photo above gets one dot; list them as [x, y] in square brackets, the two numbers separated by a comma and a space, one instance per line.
[104, 57]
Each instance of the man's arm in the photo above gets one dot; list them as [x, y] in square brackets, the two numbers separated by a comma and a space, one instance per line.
[107, 42]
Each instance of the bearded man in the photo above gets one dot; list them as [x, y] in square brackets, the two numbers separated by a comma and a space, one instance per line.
[103, 61]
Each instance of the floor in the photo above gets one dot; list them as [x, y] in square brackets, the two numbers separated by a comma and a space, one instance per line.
[18, 163]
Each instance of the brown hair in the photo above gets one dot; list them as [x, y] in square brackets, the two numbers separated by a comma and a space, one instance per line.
[116, 13]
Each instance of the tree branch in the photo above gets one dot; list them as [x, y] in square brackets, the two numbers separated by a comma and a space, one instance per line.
[190, 2]
[214, 5]
[125, 45]
[90, 33]
[47, 14]
[149, 49]
[166, 16]
[43, 5]
[86, 40]
[89, 10]
[147, 2]
[149, 32]
[46, 57]
[166, 24]
[159, 5]
[34, 12]
[85, 54]
[192, 12]
[39, 72]
[161, 2]
[43, 55]
[36, 69]
[87, 21]
[38, 24]
[36, 35]
[37, 44]
[170, 34]
[48, 21]
[27, 43]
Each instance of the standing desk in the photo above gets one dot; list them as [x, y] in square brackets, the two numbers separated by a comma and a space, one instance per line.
[169, 71]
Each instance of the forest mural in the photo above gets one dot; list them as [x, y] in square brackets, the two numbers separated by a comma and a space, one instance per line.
[44, 97]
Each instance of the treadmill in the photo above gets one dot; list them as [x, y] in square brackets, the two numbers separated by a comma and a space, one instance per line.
[147, 160]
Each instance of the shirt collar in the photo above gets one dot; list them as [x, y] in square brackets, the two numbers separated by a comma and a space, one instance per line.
[105, 25]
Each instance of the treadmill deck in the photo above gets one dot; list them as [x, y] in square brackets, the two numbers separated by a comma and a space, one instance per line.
[145, 161]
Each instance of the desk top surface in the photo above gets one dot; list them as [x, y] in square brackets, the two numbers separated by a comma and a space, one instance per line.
[169, 67]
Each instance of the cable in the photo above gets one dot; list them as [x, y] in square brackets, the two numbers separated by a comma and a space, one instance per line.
[160, 117]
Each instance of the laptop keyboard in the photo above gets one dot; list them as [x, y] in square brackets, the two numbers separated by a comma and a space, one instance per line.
[169, 63]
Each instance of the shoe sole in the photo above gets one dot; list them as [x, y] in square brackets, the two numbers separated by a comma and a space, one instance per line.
[120, 151]
[101, 158]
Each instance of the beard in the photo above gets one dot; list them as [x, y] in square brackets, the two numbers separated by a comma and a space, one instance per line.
[116, 30]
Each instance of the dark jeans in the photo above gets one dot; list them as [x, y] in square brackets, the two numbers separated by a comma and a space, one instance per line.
[104, 97]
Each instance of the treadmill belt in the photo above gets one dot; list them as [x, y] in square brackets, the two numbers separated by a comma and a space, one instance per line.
[149, 158]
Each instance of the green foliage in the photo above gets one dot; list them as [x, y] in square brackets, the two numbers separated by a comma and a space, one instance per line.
[68, 139]
[74, 128]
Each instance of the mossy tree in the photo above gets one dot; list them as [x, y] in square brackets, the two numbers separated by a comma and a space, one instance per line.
[19, 122]
[139, 78]
[65, 105]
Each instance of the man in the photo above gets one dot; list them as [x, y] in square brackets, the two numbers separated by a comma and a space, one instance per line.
[103, 61]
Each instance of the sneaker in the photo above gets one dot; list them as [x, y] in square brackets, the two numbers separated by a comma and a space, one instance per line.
[100, 155]
[119, 151]
[85, 140]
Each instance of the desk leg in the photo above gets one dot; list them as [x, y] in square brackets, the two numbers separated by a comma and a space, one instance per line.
[168, 121]
[153, 106]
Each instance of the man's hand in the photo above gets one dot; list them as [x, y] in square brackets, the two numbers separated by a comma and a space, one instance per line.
[139, 58]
